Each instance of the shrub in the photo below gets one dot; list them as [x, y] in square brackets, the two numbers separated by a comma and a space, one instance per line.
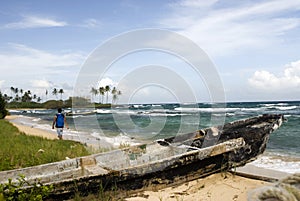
[17, 191]
[3, 111]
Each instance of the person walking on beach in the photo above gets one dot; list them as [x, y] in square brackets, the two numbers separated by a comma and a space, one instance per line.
[59, 122]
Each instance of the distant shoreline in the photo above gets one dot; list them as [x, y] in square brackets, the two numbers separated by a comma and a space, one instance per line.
[27, 109]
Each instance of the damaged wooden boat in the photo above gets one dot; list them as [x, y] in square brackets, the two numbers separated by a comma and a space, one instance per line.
[160, 163]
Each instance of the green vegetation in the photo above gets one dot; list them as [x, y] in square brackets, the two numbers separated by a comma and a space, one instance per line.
[3, 111]
[20, 98]
[21, 95]
[104, 193]
[54, 104]
[102, 91]
[15, 190]
[12, 105]
[19, 150]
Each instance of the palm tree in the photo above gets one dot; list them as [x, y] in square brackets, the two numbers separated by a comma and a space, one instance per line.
[114, 90]
[54, 92]
[102, 92]
[119, 93]
[46, 94]
[114, 93]
[17, 94]
[12, 89]
[61, 91]
[107, 89]
[94, 92]
[21, 91]
[26, 97]
[16, 90]
[6, 97]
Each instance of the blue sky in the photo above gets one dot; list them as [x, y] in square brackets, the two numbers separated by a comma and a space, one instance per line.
[254, 45]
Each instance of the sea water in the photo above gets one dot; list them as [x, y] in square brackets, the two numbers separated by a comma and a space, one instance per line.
[141, 123]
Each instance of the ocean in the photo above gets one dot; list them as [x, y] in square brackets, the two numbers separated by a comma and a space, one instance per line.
[141, 123]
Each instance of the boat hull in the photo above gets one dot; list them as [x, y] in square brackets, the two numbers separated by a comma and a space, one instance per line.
[158, 164]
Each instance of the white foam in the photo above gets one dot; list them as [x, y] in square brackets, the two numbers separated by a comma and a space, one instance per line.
[251, 109]
[14, 111]
[286, 107]
[274, 104]
[182, 109]
[160, 114]
[36, 119]
[117, 140]
[101, 111]
[156, 105]
[278, 164]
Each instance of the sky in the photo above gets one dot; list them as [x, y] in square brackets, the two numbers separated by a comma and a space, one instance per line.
[254, 46]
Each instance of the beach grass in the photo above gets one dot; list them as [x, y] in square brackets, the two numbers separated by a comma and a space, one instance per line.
[18, 150]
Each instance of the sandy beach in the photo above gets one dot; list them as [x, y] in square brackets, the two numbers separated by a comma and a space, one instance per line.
[227, 186]
[220, 186]
[51, 134]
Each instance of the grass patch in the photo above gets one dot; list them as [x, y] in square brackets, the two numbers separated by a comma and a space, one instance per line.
[18, 150]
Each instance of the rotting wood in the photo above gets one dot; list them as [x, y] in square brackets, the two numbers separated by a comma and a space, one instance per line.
[165, 163]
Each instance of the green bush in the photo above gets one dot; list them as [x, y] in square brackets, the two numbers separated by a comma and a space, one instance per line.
[3, 111]
[15, 105]
[53, 104]
[17, 191]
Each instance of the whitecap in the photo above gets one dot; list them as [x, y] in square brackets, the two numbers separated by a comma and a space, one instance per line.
[286, 107]
[210, 110]
[102, 111]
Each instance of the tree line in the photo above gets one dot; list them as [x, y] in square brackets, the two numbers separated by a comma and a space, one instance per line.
[20, 95]
[55, 92]
[104, 91]
[20, 98]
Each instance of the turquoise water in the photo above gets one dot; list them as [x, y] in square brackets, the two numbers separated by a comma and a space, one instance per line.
[147, 122]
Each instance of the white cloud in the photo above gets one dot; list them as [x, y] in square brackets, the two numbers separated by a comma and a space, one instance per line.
[19, 57]
[35, 22]
[30, 68]
[91, 23]
[40, 87]
[268, 82]
[41, 84]
[221, 30]
[106, 82]
[1, 83]
[196, 3]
